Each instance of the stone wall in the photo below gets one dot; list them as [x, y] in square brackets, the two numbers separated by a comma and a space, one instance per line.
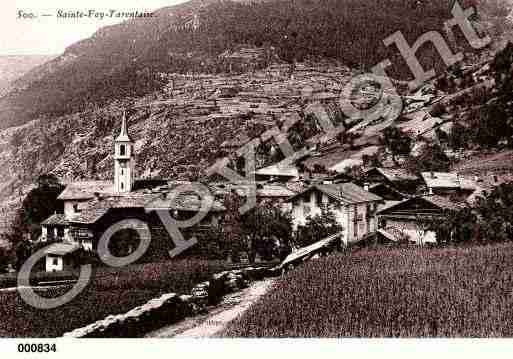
[171, 308]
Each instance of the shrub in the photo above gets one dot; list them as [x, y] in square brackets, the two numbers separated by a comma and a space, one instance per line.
[4, 260]
[438, 110]
[317, 228]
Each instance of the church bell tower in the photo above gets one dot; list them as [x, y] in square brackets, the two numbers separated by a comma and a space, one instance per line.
[124, 162]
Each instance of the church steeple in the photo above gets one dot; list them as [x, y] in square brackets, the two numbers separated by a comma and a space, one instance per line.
[123, 135]
[124, 162]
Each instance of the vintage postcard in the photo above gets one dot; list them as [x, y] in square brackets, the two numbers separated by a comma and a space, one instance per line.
[222, 169]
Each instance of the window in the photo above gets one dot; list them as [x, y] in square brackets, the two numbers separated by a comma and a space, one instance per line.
[84, 233]
[122, 150]
[122, 186]
[75, 208]
[318, 198]
[55, 261]
[355, 222]
[122, 172]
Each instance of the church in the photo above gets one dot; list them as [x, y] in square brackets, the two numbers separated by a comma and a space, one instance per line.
[91, 207]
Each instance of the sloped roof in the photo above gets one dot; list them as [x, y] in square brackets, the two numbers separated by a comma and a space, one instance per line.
[61, 249]
[445, 202]
[468, 184]
[55, 219]
[341, 159]
[262, 190]
[395, 174]
[279, 171]
[441, 179]
[387, 235]
[311, 249]
[274, 191]
[348, 193]
[439, 201]
[89, 216]
[85, 190]
[183, 202]
[97, 209]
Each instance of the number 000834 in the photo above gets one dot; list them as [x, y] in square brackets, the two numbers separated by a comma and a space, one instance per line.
[37, 348]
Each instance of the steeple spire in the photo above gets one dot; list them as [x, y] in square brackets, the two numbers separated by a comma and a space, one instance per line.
[123, 135]
[124, 162]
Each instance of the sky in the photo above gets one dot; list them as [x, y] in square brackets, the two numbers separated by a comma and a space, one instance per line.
[50, 35]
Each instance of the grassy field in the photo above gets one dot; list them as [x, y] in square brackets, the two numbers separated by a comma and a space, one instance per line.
[410, 292]
[112, 291]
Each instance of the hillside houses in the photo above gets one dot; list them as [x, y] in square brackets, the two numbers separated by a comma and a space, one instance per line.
[353, 207]
[448, 184]
[400, 179]
[410, 220]
[92, 207]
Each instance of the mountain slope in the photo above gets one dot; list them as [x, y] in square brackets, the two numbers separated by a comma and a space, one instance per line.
[14, 67]
[126, 59]
[67, 111]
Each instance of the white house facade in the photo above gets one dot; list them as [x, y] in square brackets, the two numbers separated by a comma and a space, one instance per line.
[354, 208]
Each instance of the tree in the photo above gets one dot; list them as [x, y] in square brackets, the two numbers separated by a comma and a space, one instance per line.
[233, 225]
[317, 228]
[430, 159]
[4, 260]
[269, 229]
[124, 242]
[490, 221]
[459, 137]
[502, 68]
[355, 172]
[397, 142]
[39, 204]
[455, 226]
[372, 160]
[23, 252]
[495, 212]
[494, 125]
[437, 110]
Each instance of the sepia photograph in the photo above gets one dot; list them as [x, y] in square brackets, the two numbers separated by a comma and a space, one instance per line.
[243, 169]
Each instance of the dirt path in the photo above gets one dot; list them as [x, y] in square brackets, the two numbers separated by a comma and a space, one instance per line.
[211, 323]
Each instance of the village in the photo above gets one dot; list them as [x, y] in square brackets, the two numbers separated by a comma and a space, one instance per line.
[379, 204]
[263, 169]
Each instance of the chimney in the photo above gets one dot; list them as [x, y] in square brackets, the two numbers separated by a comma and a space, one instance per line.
[430, 191]
[433, 174]
[366, 186]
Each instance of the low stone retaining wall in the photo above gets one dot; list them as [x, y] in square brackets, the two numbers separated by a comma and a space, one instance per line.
[171, 308]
